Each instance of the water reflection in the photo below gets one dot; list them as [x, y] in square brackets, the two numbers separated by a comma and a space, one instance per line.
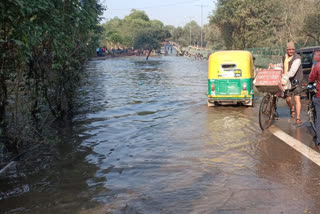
[49, 178]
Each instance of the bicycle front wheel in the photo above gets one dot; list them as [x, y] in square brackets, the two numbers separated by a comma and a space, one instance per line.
[266, 111]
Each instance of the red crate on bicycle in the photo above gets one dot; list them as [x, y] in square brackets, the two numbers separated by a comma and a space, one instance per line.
[268, 80]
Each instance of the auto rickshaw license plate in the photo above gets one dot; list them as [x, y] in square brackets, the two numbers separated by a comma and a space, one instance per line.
[244, 92]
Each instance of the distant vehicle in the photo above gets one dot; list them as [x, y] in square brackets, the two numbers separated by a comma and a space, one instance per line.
[163, 50]
[307, 57]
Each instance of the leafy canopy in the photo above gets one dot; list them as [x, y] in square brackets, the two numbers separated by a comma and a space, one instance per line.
[135, 30]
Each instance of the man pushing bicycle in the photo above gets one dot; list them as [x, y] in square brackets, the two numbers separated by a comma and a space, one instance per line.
[292, 70]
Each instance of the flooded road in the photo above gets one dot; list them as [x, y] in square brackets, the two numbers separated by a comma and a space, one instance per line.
[144, 141]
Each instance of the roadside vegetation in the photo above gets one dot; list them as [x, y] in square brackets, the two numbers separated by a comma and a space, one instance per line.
[43, 45]
[253, 23]
[239, 24]
[233, 24]
[135, 30]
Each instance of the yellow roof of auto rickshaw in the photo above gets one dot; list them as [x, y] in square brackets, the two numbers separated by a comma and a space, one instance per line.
[232, 55]
[242, 59]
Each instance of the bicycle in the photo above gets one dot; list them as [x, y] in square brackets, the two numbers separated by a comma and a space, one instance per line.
[268, 81]
[268, 107]
[310, 91]
[267, 110]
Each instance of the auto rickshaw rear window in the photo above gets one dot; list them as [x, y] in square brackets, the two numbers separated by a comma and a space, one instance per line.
[228, 67]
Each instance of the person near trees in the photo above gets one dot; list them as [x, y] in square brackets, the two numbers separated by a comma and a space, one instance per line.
[97, 50]
[292, 70]
[315, 77]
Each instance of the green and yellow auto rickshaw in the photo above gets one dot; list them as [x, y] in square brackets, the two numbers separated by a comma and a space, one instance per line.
[230, 77]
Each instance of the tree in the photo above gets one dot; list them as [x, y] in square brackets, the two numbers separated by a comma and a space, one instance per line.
[110, 34]
[137, 15]
[245, 24]
[222, 19]
[213, 37]
[150, 39]
[311, 27]
[311, 24]
[170, 29]
[120, 32]
[135, 30]
[43, 45]
[179, 35]
[192, 31]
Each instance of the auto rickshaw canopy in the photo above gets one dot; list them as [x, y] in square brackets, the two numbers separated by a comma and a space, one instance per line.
[231, 64]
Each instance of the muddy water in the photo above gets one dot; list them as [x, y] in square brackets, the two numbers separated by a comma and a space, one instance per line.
[144, 141]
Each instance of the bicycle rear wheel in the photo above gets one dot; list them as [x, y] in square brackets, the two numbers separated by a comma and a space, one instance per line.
[312, 116]
[266, 111]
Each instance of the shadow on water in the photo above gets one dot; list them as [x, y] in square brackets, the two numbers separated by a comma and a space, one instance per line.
[50, 178]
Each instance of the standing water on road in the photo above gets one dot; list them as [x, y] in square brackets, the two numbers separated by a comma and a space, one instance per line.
[144, 141]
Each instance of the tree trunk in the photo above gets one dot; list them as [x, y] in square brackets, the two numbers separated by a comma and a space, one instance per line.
[148, 54]
[4, 138]
[3, 104]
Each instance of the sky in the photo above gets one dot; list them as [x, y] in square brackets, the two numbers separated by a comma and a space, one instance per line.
[170, 12]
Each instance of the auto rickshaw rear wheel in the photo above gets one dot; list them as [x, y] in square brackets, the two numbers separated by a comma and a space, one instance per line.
[249, 104]
[210, 104]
